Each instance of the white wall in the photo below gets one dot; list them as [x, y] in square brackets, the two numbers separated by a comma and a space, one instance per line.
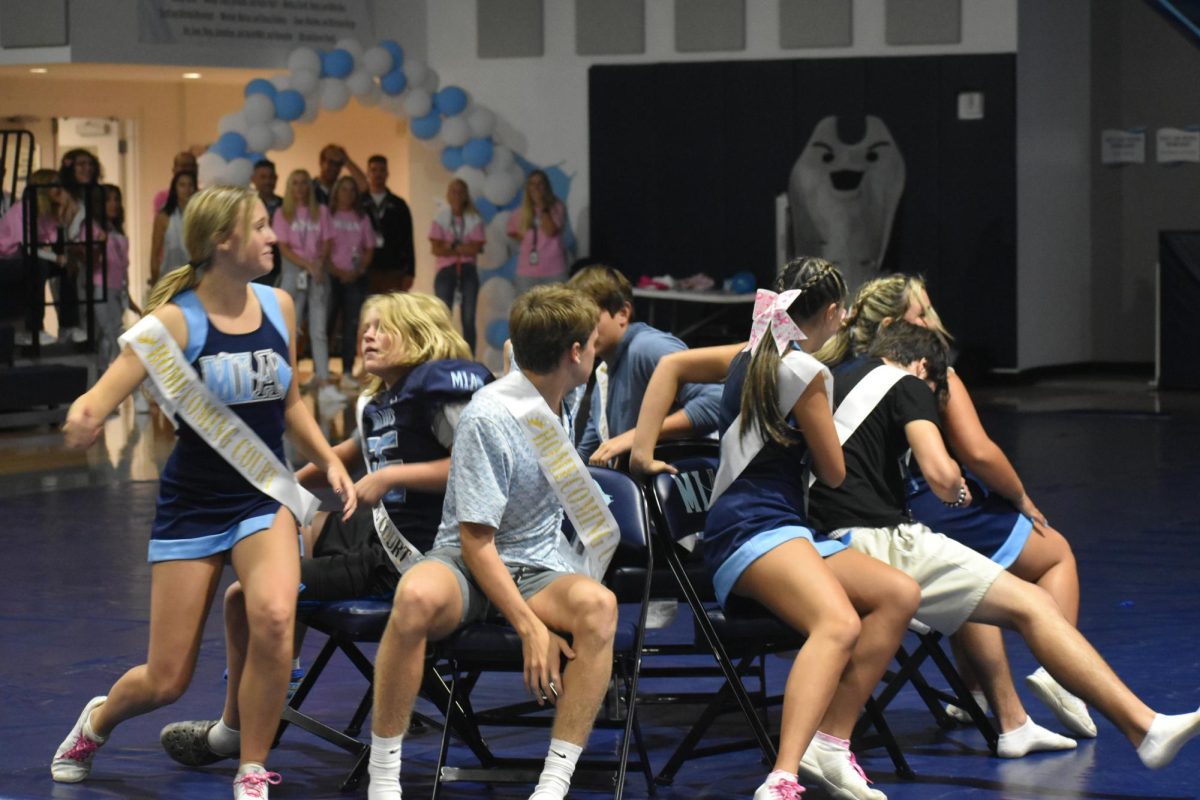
[1054, 248]
[543, 103]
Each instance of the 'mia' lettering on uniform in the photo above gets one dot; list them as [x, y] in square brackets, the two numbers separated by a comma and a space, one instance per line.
[243, 377]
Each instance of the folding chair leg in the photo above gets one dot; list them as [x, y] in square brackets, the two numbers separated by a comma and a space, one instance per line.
[360, 713]
[873, 713]
[965, 700]
[435, 690]
[451, 705]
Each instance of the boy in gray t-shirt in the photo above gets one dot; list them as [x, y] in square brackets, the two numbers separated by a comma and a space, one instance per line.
[497, 550]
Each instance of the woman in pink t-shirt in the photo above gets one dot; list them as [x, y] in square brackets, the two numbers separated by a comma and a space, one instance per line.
[111, 294]
[305, 234]
[55, 208]
[457, 238]
[538, 226]
[349, 259]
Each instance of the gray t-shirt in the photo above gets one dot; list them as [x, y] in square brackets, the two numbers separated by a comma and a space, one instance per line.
[495, 480]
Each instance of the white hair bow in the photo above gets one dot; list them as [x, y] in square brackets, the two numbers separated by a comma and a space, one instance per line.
[771, 310]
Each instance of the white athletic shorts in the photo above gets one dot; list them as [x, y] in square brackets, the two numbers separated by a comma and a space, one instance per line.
[953, 577]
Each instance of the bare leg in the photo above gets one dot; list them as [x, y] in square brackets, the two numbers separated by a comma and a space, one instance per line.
[1048, 561]
[983, 647]
[580, 606]
[268, 566]
[180, 595]
[1062, 650]
[793, 581]
[237, 641]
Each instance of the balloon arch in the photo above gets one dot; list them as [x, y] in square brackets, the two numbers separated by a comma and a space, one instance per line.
[406, 88]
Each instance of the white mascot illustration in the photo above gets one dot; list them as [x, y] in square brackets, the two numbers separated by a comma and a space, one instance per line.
[843, 197]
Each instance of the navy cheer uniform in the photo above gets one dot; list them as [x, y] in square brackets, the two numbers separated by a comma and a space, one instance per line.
[406, 424]
[204, 505]
[763, 507]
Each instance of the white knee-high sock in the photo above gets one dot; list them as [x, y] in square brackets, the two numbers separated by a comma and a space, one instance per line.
[384, 767]
[556, 775]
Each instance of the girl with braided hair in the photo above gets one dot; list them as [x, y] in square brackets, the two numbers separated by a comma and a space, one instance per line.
[758, 544]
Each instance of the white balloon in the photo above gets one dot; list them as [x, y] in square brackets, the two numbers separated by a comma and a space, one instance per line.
[495, 300]
[281, 81]
[496, 249]
[351, 46]
[360, 82]
[311, 109]
[258, 109]
[282, 135]
[415, 72]
[502, 159]
[377, 61]
[473, 177]
[455, 131]
[334, 94]
[417, 103]
[481, 120]
[372, 97]
[304, 58]
[260, 137]
[432, 81]
[209, 166]
[501, 187]
[235, 122]
[304, 81]
[238, 172]
[393, 103]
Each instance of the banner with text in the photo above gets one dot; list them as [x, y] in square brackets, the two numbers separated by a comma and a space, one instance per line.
[291, 23]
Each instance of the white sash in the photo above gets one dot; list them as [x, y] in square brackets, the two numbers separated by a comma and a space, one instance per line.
[178, 390]
[862, 400]
[579, 495]
[796, 371]
[602, 400]
[401, 551]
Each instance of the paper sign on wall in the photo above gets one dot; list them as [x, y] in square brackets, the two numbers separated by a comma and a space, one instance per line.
[1177, 145]
[1123, 146]
[317, 23]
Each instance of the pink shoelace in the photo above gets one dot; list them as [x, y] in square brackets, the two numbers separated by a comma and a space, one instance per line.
[786, 790]
[253, 782]
[858, 769]
[83, 749]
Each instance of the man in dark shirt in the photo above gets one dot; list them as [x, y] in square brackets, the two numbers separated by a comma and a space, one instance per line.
[886, 405]
[394, 265]
[263, 179]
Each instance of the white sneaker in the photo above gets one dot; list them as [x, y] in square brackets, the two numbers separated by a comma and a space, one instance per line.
[73, 759]
[72, 334]
[45, 338]
[22, 339]
[329, 396]
[254, 784]
[1070, 710]
[837, 771]
[961, 716]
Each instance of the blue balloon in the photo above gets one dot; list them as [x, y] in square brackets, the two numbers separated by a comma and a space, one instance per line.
[261, 86]
[487, 209]
[478, 152]
[497, 333]
[289, 105]
[452, 158]
[396, 50]
[742, 283]
[336, 63]
[426, 127]
[230, 145]
[394, 82]
[450, 101]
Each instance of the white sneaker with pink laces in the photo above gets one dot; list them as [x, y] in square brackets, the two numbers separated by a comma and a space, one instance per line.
[779, 785]
[829, 762]
[253, 782]
[73, 759]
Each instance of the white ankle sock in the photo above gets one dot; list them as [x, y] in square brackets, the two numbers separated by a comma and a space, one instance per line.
[829, 742]
[249, 766]
[556, 775]
[224, 740]
[1167, 734]
[90, 732]
[384, 767]
[1029, 737]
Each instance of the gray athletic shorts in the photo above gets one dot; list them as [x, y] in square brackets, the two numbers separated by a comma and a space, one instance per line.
[476, 605]
[953, 577]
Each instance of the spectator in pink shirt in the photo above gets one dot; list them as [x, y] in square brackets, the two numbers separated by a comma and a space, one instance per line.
[54, 207]
[538, 226]
[111, 284]
[305, 234]
[457, 236]
[350, 257]
[185, 161]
